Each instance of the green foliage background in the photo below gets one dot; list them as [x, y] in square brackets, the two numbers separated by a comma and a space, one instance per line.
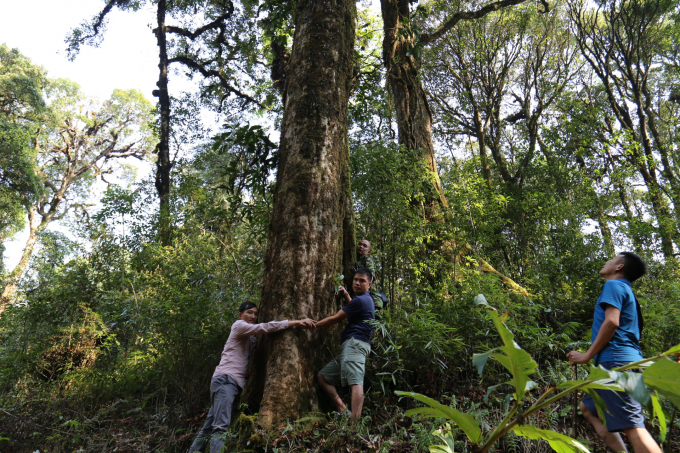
[109, 325]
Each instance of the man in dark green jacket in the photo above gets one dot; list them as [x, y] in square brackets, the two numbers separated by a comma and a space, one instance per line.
[365, 261]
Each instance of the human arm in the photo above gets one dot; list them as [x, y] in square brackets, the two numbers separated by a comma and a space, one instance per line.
[343, 292]
[302, 323]
[242, 328]
[608, 328]
[336, 318]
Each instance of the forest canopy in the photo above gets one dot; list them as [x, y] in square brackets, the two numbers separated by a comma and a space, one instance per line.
[494, 154]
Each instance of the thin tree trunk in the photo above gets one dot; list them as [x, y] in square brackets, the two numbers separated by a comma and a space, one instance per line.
[604, 226]
[163, 162]
[18, 271]
[310, 228]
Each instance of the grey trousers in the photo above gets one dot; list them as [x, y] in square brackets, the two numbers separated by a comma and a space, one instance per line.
[223, 392]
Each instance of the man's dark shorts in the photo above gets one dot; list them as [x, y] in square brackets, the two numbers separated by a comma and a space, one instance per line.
[624, 411]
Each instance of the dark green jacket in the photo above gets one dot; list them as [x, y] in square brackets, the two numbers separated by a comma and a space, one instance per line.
[367, 262]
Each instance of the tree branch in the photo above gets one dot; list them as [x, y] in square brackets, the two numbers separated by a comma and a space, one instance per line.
[217, 23]
[208, 73]
[77, 37]
[427, 38]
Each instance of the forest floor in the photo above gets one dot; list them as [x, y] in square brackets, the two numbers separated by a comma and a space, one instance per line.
[45, 425]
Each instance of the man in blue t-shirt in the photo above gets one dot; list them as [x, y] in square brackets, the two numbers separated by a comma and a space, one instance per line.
[349, 366]
[617, 326]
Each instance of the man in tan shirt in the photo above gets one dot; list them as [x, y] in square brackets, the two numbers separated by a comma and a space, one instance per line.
[229, 377]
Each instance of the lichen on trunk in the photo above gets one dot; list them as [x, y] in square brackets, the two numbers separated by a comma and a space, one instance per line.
[310, 233]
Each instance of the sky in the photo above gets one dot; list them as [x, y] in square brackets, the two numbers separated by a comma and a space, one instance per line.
[126, 59]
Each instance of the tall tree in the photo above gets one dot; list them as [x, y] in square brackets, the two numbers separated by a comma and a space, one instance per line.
[311, 237]
[84, 142]
[624, 42]
[403, 42]
[22, 108]
[510, 58]
[402, 46]
[494, 82]
[210, 35]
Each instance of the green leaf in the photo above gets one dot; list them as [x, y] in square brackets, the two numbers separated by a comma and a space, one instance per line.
[664, 377]
[603, 384]
[479, 360]
[602, 381]
[674, 350]
[445, 435]
[481, 300]
[517, 361]
[465, 421]
[600, 406]
[559, 442]
[632, 384]
[440, 449]
[659, 413]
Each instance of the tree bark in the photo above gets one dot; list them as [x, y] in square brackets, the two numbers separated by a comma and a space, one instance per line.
[414, 118]
[19, 269]
[163, 162]
[311, 229]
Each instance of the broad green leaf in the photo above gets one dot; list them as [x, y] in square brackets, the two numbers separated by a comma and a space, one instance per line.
[479, 360]
[465, 421]
[600, 406]
[440, 449]
[664, 377]
[674, 350]
[602, 384]
[481, 300]
[445, 435]
[602, 381]
[632, 384]
[659, 413]
[598, 372]
[505, 361]
[559, 442]
[518, 362]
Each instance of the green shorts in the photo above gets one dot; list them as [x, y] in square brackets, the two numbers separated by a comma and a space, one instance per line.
[349, 366]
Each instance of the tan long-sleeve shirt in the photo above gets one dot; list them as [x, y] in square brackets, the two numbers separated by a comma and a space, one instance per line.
[239, 346]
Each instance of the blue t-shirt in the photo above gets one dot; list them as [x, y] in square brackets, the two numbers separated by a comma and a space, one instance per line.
[624, 345]
[359, 311]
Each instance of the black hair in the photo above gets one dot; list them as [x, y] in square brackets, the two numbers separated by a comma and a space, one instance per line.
[633, 266]
[246, 306]
[365, 272]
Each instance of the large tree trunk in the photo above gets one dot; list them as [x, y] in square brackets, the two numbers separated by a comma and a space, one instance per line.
[163, 162]
[310, 234]
[414, 119]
